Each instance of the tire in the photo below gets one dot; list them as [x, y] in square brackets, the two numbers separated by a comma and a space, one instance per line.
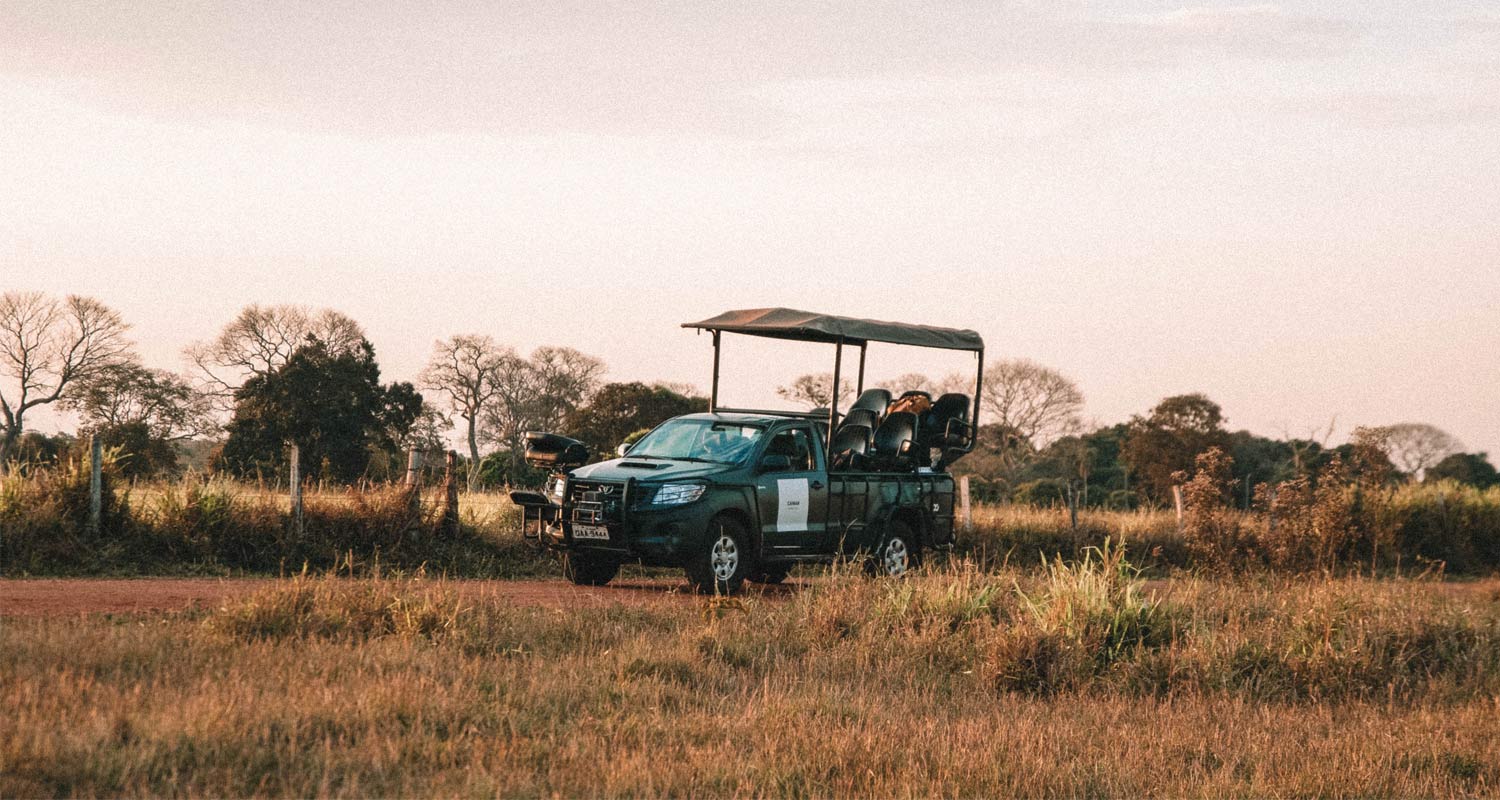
[725, 560]
[899, 552]
[586, 571]
[773, 576]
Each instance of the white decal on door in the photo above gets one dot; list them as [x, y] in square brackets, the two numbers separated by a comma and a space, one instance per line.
[791, 504]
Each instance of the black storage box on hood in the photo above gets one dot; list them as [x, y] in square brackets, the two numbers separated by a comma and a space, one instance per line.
[551, 451]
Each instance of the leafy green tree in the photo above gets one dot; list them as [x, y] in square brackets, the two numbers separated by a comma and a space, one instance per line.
[1257, 460]
[331, 404]
[1470, 469]
[144, 412]
[1170, 438]
[35, 447]
[619, 409]
[1090, 461]
[142, 453]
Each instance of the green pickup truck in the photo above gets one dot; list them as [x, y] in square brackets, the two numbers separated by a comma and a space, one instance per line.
[739, 494]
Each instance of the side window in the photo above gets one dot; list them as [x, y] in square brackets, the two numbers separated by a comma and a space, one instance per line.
[796, 445]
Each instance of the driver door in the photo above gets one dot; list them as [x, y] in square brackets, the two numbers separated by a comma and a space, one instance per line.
[792, 494]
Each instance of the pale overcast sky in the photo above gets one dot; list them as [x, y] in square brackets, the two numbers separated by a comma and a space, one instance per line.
[1294, 208]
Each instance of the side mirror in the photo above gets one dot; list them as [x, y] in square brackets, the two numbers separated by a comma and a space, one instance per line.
[622, 450]
[776, 463]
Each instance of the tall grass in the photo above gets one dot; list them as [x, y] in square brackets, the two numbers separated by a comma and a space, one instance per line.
[931, 686]
[214, 526]
[1408, 529]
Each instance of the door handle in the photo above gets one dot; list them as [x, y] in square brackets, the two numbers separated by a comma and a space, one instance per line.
[817, 484]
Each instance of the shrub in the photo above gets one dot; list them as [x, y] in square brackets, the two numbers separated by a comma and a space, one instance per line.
[1213, 530]
[1086, 617]
[1043, 493]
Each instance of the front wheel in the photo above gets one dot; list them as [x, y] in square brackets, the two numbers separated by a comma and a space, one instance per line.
[586, 571]
[899, 551]
[724, 562]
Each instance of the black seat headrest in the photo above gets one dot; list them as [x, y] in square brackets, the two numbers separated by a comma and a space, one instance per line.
[876, 400]
[852, 439]
[861, 416]
[952, 406]
[898, 429]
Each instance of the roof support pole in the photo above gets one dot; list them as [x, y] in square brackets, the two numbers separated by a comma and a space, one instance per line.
[713, 392]
[859, 386]
[833, 402]
[978, 395]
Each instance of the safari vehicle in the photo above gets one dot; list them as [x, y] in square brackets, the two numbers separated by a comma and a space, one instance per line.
[743, 494]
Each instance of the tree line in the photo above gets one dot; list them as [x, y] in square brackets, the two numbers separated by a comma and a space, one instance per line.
[1034, 447]
[280, 374]
[283, 373]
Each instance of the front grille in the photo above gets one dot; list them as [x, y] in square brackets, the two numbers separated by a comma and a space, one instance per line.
[595, 501]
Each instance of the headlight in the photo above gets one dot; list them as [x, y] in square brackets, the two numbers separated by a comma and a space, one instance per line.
[556, 485]
[675, 494]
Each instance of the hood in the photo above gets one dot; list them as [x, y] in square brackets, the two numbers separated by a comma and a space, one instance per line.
[654, 470]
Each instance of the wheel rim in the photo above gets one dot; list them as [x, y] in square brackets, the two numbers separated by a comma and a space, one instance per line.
[896, 557]
[725, 557]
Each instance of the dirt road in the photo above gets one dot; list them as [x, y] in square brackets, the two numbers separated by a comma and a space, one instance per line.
[69, 596]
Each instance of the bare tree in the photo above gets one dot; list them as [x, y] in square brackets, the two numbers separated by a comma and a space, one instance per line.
[468, 369]
[1415, 446]
[536, 393]
[917, 382]
[564, 379]
[912, 382]
[1306, 449]
[128, 393]
[814, 390]
[47, 347]
[261, 339]
[1036, 403]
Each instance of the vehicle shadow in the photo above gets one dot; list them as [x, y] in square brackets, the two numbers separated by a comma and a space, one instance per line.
[676, 586]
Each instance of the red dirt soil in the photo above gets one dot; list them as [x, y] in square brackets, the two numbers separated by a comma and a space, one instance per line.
[71, 596]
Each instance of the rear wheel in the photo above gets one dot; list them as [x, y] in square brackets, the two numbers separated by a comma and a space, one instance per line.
[899, 551]
[724, 562]
[589, 571]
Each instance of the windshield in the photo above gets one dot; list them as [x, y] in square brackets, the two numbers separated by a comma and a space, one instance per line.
[699, 440]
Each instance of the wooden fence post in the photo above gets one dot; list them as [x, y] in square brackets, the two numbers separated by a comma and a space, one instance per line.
[414, 485]
[413, 467]
[966, 511]
[294, 480]
[96, 484]
[1072, 505]
[1177, 504]
[450, 494]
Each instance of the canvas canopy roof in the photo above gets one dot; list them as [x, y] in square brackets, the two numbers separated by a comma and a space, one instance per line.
[805, 326]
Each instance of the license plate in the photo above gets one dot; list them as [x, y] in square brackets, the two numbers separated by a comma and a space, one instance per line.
[590, 532]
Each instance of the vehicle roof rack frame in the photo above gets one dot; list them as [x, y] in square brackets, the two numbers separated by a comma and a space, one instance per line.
[793, 325]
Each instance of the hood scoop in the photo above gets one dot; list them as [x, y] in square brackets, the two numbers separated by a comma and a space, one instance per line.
[642, 465]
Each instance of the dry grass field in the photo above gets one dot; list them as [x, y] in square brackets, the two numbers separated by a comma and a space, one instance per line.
[1064, 681]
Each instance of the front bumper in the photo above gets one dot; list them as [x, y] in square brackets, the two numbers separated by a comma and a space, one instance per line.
[657, 536]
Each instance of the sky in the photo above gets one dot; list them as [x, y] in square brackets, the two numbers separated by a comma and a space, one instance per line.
[1293, 208]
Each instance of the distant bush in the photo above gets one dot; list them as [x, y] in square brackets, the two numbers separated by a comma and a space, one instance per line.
[1042, 493]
